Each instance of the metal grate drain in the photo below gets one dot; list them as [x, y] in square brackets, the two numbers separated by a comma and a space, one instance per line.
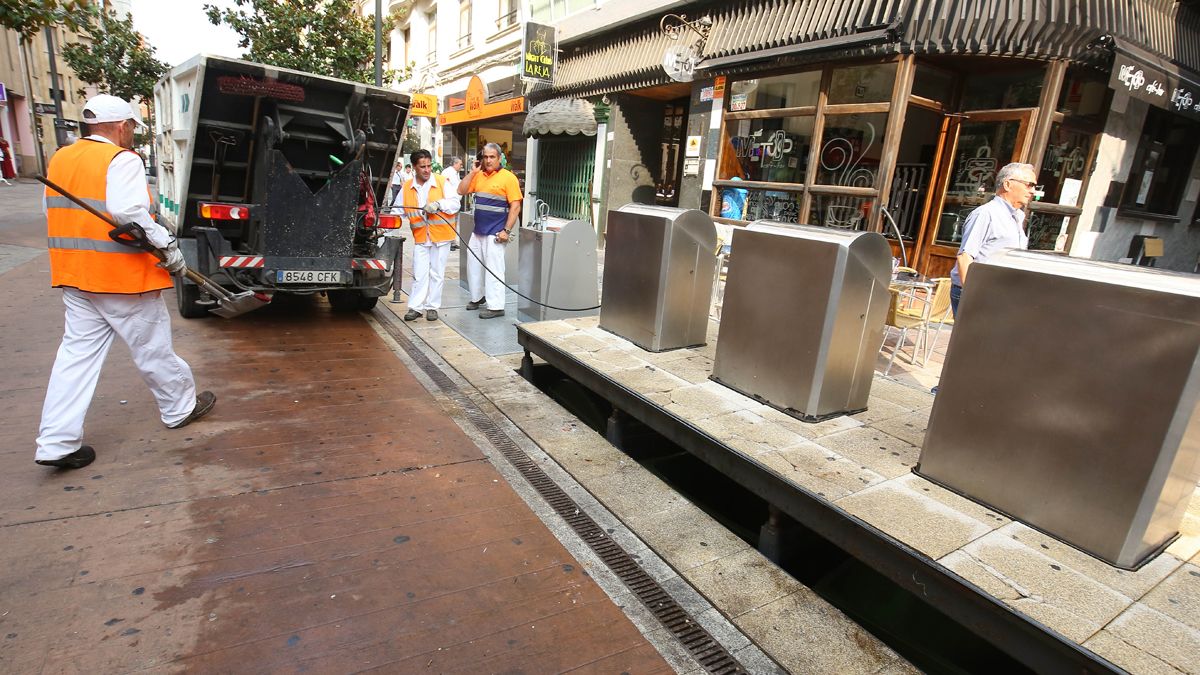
[695, 639]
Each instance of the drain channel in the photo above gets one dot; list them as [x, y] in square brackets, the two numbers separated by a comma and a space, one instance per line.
[695, 639]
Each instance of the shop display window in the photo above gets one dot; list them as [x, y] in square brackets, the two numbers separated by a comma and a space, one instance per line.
[1085, 97]
[862, 84]
[1162, 165]
[841, 211]
[933, 84]
[783, 91]
[1044, 229]
[774, 150]
[1064, 165]
[1003, 89]
[766, 205]
[851, 149]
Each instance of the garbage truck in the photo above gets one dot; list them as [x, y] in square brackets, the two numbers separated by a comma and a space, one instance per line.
[273, 180]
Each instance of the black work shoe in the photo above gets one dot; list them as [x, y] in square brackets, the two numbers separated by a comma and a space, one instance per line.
[412, 315]
[431, 315]
[76, 460]
[491, 313]
[204, 403]
[476, 304]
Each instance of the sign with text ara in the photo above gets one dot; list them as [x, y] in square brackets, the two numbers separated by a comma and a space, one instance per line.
[539, 52]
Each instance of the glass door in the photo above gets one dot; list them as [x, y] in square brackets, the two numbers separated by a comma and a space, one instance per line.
[976, 146]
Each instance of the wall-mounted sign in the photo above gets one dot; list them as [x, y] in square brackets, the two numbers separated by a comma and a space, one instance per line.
[706, 94]
[45, 109]
[1157, 86]
[3, 95]
[424, 105]
[693, 146]
[478, 108]
[539, 51]
[691, 166]
[680, 61]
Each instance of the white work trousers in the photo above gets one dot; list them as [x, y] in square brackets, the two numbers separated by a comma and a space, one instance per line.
[480, 283]
[92, 319]
[429, 273]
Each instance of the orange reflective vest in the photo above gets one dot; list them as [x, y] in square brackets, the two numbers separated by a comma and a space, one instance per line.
[81, 254]
[427, 227]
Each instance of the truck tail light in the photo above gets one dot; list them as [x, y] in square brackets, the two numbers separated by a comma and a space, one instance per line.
[388, 221]
[224, 211]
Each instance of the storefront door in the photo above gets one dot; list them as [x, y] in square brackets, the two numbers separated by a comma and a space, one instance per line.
[974, 147]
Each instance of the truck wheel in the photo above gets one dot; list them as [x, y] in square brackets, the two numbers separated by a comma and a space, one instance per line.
[188, 296]
[350, 301]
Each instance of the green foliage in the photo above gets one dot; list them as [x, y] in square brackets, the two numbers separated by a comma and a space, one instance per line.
[118, 61]
[27, 17]
[327, 38]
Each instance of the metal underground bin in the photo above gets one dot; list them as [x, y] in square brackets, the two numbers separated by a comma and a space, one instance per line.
[557, 267]
[803, 317]
[659, 264]
[1068, 400]
[466, 223]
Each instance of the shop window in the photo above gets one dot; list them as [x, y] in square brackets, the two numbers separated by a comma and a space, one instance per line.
[1064, 165]
[983, 147]
[850, 149]
[765, 204]
[933, 84]
[862, 84]
[774, 150]
[1003, 89]
[666, 185]
[784, 91]
[841, 211]
[1162, 163]
[1044, 229]
[432, 35]
[1084, 97]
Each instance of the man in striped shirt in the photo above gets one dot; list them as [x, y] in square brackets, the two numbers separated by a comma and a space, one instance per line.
[497, 208]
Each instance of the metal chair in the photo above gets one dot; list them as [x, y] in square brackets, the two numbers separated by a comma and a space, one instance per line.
[903, 321]
[940, 312]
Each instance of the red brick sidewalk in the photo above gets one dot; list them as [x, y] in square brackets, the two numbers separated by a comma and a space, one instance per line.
[327, 516]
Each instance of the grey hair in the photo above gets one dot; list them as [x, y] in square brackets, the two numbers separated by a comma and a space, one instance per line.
[1010, 170]
[494, 146]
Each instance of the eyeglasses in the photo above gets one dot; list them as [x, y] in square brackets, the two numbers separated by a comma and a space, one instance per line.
[1027, 183]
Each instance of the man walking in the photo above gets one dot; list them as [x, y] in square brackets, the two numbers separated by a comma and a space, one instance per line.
[497, 207]
[430, 207]
[996, 225]
[453, 173]
[109, 289]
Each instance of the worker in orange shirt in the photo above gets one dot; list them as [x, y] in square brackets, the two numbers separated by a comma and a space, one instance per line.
[431, 207]
[497, 208]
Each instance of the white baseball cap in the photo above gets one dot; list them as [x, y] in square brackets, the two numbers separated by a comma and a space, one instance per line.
[109, 108]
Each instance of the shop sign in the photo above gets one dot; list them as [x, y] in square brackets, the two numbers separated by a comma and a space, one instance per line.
[45, 109]
[539, 51]
[3, 95]
[738, 102]
[478, 108]
[706, 94]
[719, 87]
[680, 61]
[424, 105]
[1157, 87]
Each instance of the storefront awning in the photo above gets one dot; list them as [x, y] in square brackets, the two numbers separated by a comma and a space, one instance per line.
[867, 37]
[571, 116]
[1155, 80]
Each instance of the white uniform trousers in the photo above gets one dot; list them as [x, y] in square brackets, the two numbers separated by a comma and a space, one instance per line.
[429, 273]
[480, 283]
[92, 319]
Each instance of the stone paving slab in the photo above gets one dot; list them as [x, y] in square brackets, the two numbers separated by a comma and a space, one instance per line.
[1089, 602]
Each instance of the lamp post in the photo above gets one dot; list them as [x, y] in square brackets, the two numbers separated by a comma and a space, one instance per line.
[378, 43]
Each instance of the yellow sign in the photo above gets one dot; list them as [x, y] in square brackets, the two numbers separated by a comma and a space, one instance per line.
[477, 107]
[476, 97]
[424, 105]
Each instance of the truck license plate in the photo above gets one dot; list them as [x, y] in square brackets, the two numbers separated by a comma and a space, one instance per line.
[308, 277]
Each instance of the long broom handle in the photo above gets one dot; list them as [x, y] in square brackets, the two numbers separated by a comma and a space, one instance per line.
[195, 276]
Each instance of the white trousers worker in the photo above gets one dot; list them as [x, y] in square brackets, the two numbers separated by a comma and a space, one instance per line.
[92, 320]
[429, 275]
[480, 283]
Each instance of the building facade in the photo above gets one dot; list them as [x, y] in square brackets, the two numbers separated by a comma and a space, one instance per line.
[895, 116]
